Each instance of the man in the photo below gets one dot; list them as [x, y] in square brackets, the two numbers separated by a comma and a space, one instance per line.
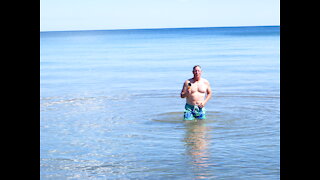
[197, 92]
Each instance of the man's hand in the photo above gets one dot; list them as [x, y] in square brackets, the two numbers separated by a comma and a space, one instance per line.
[186, 93]
[201, 105]
[186, 90]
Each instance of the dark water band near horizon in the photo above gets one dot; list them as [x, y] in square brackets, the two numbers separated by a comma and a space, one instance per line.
[110, 105]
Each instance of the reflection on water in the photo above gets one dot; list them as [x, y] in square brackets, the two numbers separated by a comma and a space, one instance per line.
[197, 147]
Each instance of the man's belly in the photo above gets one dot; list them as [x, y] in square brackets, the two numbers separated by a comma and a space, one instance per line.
[195, 98]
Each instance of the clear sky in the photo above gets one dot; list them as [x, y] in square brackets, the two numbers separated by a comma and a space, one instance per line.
[60, 15]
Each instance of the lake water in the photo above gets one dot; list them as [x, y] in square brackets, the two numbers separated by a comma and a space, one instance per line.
[110, 105]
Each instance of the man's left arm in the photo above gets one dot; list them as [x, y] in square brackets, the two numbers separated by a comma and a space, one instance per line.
[208, 97]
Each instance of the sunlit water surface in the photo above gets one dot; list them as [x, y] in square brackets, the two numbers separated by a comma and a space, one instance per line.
[110, 106]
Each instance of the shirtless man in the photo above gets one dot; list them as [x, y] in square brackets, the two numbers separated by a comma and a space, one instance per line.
[195, 90]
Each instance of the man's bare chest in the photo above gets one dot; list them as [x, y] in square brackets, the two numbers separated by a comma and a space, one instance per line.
[198, 87]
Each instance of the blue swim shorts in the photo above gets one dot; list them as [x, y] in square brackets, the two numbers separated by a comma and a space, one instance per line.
[191, 112]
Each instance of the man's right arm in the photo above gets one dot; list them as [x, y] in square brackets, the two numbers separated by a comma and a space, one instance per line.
[184, 90]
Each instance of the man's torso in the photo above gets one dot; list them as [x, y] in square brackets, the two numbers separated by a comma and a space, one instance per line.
[198, 91]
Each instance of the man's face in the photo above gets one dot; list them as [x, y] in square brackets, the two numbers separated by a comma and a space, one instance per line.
[197, 72]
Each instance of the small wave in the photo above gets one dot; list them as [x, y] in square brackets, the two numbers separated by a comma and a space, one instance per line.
[170, 117]
[49, 101]
[177, 117]
[157, 95]
[247, 96]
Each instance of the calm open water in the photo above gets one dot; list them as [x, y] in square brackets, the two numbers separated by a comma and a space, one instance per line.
[110, 105]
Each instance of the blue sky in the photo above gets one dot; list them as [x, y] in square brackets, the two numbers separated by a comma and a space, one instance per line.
[61, 15]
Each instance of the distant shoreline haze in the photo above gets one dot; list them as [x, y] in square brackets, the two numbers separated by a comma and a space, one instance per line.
[173, 28]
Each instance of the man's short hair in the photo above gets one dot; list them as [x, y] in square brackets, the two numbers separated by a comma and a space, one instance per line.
[196, 66]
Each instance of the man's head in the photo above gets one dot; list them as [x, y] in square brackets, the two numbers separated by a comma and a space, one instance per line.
[197, 71]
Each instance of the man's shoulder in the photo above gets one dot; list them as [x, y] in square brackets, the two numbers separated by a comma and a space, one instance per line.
[189, 80]
[205, 80]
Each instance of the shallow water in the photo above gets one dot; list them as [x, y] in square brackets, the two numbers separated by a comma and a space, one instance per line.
[110, 105]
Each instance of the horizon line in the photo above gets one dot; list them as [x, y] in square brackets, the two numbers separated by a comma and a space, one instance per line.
[156, 28]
